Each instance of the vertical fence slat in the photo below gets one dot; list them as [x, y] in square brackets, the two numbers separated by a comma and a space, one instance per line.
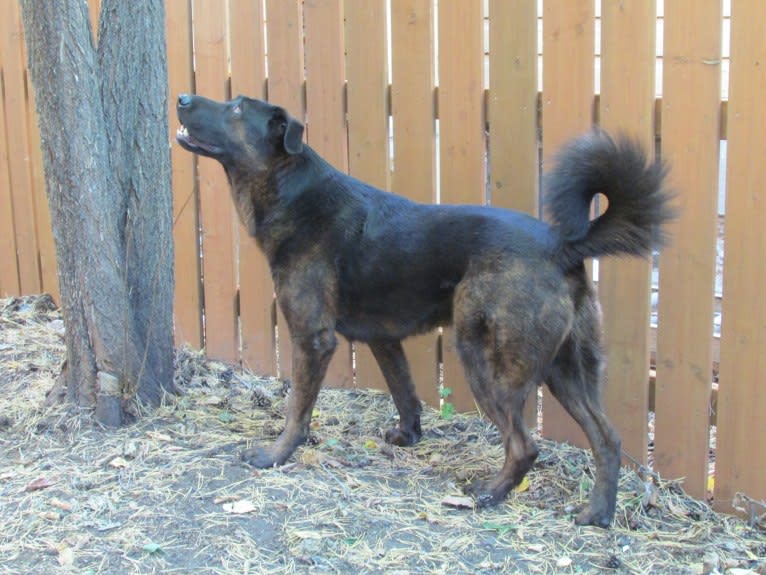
[285, 88]
[9, 272]
[367, 96]
[627, 104]
[325, 110]
[690, 128]
[94, 9]
[256, 289]
[513, 149]
[217, 212]
[414, 174]
[22, 192]
[568, 73]
[741, 433]
[461, 140]
[45, 242]
[188, 287]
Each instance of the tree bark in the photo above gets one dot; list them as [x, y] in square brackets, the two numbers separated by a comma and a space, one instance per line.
[104, 131]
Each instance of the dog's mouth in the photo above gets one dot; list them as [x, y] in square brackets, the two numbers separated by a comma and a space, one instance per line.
[195, 145]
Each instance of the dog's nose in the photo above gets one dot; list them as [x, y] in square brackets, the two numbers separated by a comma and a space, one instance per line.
[184, 100]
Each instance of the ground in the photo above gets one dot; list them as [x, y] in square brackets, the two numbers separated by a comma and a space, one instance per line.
[169, 495]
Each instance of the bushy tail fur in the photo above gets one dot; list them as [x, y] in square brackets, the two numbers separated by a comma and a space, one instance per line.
[638, 208]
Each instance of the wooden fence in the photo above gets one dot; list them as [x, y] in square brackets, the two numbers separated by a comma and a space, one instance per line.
[462, 101]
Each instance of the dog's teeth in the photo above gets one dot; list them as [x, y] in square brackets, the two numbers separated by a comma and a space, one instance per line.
[182, 131]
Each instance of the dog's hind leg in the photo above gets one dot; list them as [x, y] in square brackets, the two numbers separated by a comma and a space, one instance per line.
[393, 364]
[501, 374]
[500, 391]
[574, 379]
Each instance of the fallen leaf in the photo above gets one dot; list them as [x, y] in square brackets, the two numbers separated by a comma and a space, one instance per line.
[536, 547]
[38, 484]
[118, 462]
[306, 534]
[458, 502]
[370, 444]
[158, 436]
[224, 499]
[563, 562]
[50, 516]
[240, 507]
[66, 557]
[211, 400]
[63, 505]
[152, 548]
[435, 459]
[523, 486]
[311, 457]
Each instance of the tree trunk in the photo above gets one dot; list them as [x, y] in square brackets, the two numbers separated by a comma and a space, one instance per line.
[104, 132]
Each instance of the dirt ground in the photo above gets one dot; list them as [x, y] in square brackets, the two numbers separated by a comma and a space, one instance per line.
[169, 495]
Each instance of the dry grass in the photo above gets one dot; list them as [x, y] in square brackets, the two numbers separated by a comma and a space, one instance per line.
[168, 494]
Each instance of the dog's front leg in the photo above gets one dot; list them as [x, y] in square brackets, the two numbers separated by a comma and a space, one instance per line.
[311, 355]
[393, 364]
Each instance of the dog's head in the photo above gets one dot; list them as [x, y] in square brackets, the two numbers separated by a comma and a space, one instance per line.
[242, 132]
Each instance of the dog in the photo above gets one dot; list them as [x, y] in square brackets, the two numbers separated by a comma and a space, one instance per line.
[377, 268]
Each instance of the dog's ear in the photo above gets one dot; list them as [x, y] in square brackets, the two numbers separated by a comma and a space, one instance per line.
[293, 136]
[286, 128]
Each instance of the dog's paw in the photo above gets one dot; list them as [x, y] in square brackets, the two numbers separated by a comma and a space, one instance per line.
[259, 457]
[396, 436]
[592, 516]
[483, 494]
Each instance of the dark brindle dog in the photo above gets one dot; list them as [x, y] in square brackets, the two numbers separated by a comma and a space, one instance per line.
[377, 268]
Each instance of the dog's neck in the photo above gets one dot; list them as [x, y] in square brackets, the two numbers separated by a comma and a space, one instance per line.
[258, 194]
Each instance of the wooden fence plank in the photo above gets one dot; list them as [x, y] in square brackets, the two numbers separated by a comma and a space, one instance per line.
[414, 174]
[9, 271]
[217, 211]
[627, 104]
[45, 242]
[22, 192]
[568, 74]
[43, 227]
[513, 146]
[256, 289]
[741, 433]
[94, 10]
[461, 140]
[367, 97]
[187, 305]
[325, 110]
[285, 88]
[691, 96]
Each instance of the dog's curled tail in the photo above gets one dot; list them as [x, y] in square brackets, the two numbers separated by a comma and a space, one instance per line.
[638, 203]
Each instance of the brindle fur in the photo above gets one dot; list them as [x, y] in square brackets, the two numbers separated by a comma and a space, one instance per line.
[377, 268]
